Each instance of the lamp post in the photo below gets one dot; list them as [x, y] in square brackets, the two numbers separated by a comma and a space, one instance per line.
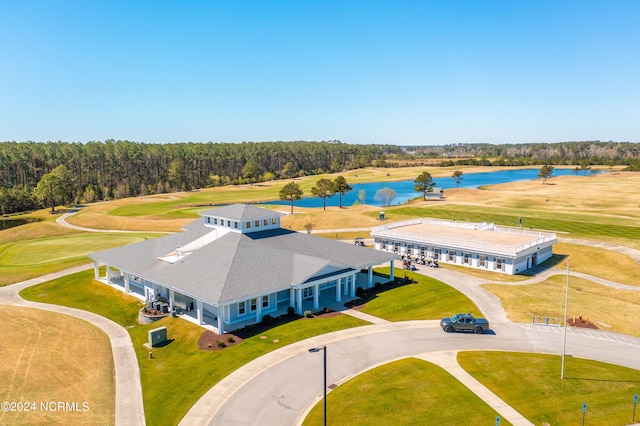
[566, 305]
[324, 350]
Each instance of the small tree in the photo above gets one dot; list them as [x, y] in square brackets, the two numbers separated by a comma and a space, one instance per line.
[545, 173]
[289, 170]
[385, 196]
[308, 227]
[362, 196]
[341, 187]
[457, 177]
[291, 192]
[584, 166]
[54, 187]
[324, 189]
[423, 183]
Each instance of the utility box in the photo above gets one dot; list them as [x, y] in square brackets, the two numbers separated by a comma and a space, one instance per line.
[381, 215]
[158, 337]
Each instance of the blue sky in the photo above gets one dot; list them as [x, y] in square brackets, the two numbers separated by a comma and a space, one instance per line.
[398, 72]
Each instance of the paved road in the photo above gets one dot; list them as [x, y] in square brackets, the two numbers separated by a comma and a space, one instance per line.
[280, 387]
[129, 406]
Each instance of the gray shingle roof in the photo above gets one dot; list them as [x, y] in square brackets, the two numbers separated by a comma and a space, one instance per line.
[241, 212]
[237, 266]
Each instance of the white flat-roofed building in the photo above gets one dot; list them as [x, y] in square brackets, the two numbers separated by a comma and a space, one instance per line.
[475, 245]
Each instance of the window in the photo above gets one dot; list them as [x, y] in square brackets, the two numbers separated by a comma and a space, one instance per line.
[466, 259]
[242, 308]
[265, 222]
[273, 221]
[265, 301]
[436, 253]
[215, 220]
[247, 225]
[254, 305]
[383, 244]
[256, 223]
[307, 292]
[235, 225]
[396, 246]
[229, 223]
[423, 251]
[499, 264]
[451, 255]
[482, 261]
[409, 249]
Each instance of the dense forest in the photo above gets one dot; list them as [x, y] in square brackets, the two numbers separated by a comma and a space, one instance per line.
[94, 171]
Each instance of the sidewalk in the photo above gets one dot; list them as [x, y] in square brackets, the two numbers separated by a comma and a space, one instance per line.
[128, 398]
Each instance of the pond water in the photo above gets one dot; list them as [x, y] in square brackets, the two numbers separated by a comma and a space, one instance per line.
[405, 192]
[10, 223]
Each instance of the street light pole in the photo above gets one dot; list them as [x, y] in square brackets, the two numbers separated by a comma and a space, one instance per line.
[566, 305]
[324, 350]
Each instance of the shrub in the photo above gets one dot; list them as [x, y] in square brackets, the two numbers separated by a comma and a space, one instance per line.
[267, 320]
[359, 291]
[222, 345]
[230, 339]
[291, 311]
[378, 286]
[307, 314]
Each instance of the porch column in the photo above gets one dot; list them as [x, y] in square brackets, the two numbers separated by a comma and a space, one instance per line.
[292, 298]
[353, 286]
[199, 311]
[391, 273]
[220, 320]
[258, 308]
[316, 296]
[171, 297]
[339, 290]
[370, 277]
[345, 287]
[96, 270]
[108, 275]
[126, 282]
[299, 301]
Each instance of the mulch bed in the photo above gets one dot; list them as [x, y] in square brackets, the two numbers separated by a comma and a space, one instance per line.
[581, 323]
[209, 341]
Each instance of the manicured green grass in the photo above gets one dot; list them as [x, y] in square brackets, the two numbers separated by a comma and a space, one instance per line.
[426, 299]
[82, 292]
[532, 385]
[405, 392]
[179, 373]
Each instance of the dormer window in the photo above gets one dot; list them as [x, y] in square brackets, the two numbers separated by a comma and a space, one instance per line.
[256, 223]
[215, 220]
[247, 225]
[265, 222]
[273, 220]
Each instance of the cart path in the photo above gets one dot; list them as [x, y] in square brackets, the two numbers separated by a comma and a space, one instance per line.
[128, 397]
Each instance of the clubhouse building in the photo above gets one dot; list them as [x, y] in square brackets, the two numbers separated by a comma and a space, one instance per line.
[236, 264]
[474, 245]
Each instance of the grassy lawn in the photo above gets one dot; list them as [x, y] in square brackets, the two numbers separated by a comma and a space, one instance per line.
[49, 357]
[43, 247]
[609, 309]
[600, 263]
[425, 299]
[179, 373]
[405, 392]
[81, 291]
[532, 386]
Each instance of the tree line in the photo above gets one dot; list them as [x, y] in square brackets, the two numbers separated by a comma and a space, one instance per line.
[112, 169]
[97, 171]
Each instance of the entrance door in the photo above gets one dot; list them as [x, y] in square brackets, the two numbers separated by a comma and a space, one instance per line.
[149, 294]
[534, 259]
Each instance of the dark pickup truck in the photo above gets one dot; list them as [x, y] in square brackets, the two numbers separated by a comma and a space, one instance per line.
[464, 322]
